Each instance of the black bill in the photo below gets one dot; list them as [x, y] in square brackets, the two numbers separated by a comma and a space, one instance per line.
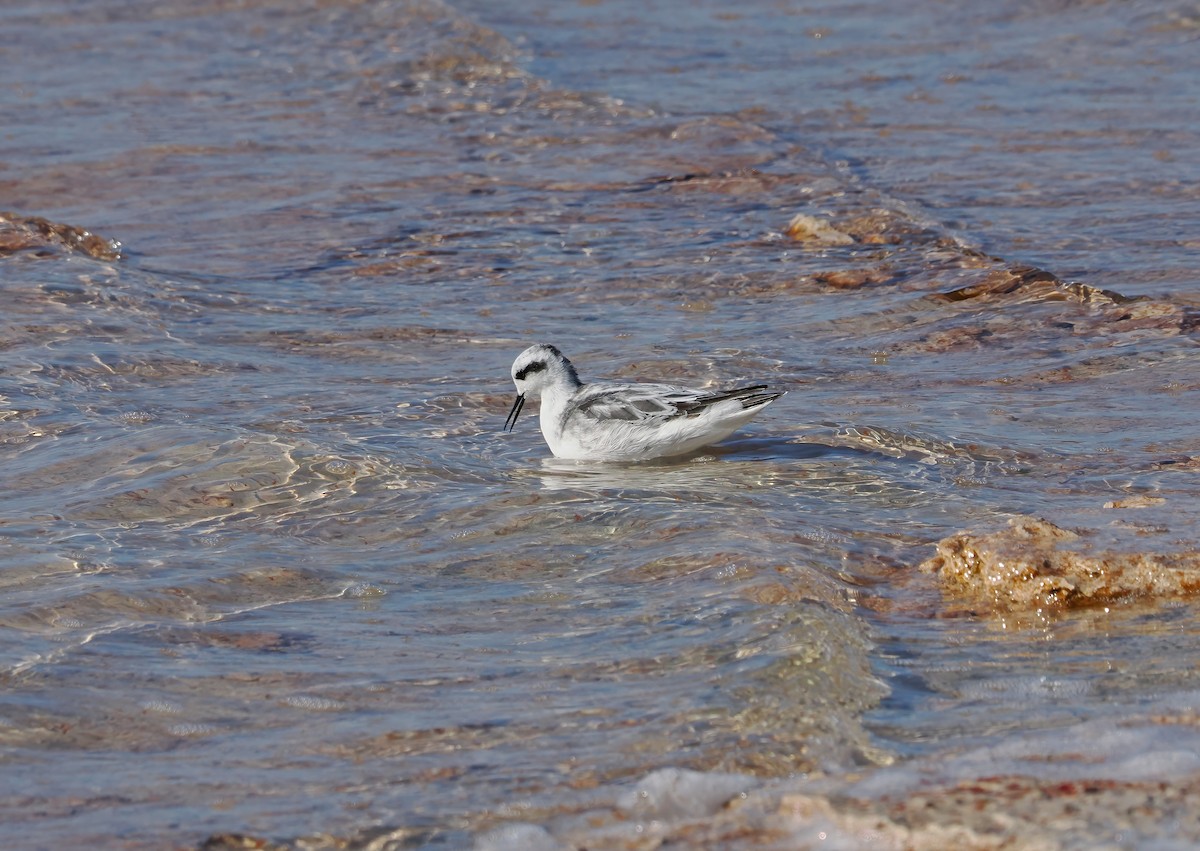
[511, 422]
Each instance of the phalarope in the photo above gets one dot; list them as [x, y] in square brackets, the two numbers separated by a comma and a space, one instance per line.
[609, 421]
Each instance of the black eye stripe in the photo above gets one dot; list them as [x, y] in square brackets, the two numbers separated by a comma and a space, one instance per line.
[536, 366]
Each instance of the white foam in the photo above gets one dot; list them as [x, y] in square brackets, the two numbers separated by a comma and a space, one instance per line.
[1105, 749]
[1020, 689]
[165, 707]
[674, 793]
[314, 704]
[518, 837]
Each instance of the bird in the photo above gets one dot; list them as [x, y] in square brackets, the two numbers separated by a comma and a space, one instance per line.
[611, 421]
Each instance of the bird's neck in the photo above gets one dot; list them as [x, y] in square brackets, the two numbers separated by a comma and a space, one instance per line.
[567, 377]
[555, 397]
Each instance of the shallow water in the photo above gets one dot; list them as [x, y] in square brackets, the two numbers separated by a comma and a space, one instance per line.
[271, 568]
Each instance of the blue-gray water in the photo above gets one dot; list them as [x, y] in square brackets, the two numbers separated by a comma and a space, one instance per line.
[269, 565]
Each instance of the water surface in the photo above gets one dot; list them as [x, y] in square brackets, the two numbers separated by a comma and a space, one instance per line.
[270, 567]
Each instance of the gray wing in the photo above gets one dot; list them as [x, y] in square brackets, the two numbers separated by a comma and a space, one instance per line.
[648, 403]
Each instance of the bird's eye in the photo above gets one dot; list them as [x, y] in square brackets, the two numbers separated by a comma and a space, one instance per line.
[536, 366]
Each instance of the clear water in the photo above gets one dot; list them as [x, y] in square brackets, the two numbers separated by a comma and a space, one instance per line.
[269, 565]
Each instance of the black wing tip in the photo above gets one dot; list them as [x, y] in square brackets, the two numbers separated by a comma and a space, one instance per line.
[749, 396]
[757, 400]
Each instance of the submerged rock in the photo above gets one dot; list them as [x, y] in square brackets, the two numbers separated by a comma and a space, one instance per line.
[32, 233]
[1031, 565]
[805, 228]
[1031, 283]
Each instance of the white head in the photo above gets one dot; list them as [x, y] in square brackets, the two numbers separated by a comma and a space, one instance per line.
[536, 369]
